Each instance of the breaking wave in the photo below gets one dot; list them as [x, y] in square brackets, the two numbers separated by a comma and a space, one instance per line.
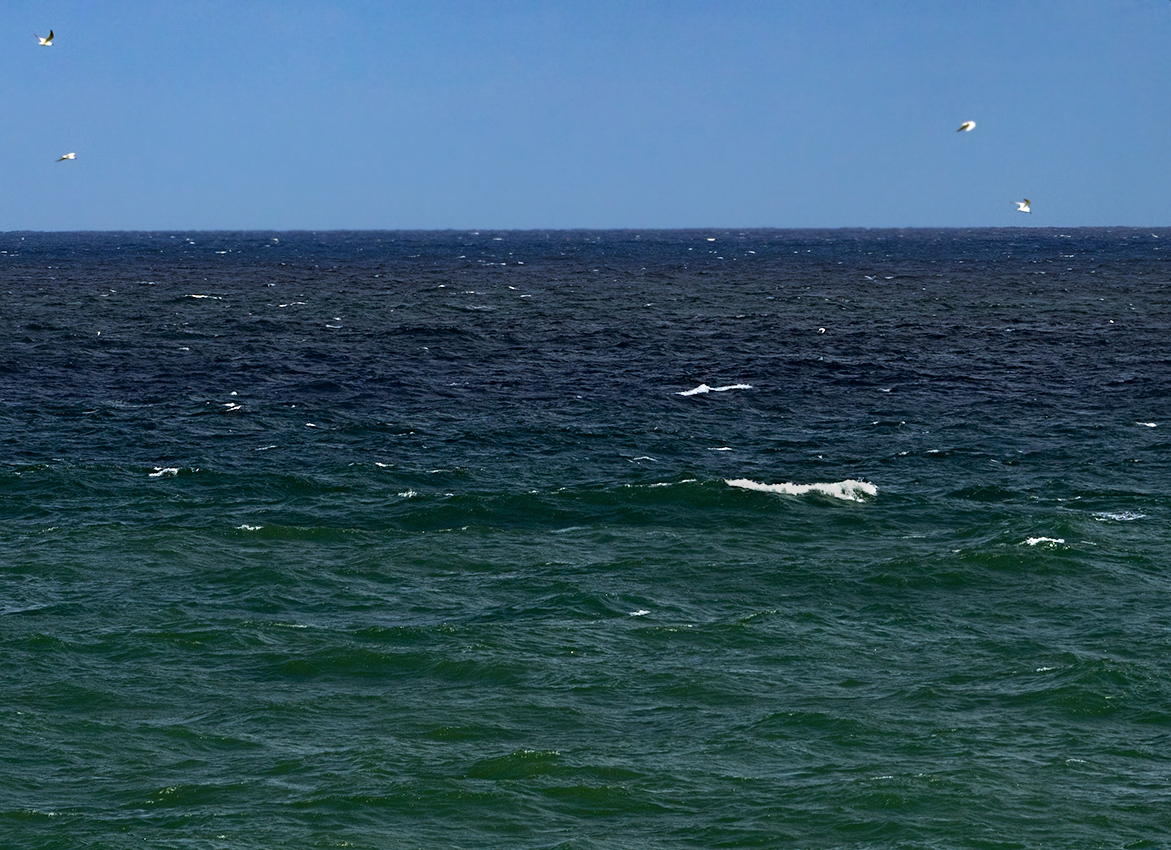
[704, 388]
[851, 489]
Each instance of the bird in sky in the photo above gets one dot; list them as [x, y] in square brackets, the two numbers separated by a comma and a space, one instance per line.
[966, 127]
[74, 156]
[45, 42]
[1023, 206]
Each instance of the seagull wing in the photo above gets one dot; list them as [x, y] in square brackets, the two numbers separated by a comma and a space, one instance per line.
[50, 38]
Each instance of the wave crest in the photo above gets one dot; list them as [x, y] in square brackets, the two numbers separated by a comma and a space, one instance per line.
[851, 489]
[704, 388]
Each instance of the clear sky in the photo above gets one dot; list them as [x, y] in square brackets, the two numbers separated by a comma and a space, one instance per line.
[324, 114]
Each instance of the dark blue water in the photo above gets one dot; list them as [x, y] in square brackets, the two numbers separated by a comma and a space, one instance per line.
[806, 539]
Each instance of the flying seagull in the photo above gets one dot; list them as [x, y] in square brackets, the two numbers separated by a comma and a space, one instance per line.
[45, 42]
[967, 126]
[74, 156]
[1023, 206]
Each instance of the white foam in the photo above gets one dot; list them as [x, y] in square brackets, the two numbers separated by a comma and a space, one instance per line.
[249, 527]
[851, 489]
[1148, 424]
[408, 494]
[704, 388]
[1119, 516]
[160, 471]
[1055, 541]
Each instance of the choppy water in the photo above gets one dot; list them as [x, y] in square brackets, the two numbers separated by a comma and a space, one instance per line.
[806, 539]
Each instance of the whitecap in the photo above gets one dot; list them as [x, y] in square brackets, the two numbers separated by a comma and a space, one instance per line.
[249, 527]
[160, 471]
[1055, 541]
[1148, 424]
[408, 494]
[851, 489]
[641, 612]
[1119, 516]
[704, 388]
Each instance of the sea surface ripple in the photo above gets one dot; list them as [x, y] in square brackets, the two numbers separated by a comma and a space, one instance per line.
[579, 539]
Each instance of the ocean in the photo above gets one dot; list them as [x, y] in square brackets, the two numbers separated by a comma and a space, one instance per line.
[579, 539]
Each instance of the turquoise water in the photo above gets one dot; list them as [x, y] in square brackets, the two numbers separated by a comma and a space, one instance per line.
[805, 539]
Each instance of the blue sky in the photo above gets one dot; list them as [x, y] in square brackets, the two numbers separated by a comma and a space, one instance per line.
[523, 114]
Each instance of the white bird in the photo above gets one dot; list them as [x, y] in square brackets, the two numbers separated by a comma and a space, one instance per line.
[45, 42]
[967, 126]
[67, 156]
[1023, 206]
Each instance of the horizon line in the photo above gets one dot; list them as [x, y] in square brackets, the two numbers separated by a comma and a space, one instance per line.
[477, 230]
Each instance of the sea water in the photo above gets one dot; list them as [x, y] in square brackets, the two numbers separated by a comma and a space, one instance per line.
[638, 539]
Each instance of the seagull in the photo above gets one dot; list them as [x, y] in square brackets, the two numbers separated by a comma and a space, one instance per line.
[45, 42]
[967, 126]
[1023, 206]
[74, 156]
